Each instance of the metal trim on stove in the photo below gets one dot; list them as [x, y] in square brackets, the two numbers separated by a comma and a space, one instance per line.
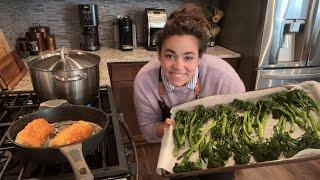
[115, 120]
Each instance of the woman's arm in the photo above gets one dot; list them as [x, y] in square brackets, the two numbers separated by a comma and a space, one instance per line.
[147, 108]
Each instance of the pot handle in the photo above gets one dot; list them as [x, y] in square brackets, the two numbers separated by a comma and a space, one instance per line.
[75, 157]
[75, 78]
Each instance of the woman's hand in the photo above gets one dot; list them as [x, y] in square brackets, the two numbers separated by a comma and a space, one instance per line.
[169, 121]
[161, 126]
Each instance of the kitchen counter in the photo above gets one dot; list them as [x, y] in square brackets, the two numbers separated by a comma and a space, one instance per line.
[110, 55]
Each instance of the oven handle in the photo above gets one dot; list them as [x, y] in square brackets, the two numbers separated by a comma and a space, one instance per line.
[294, 76]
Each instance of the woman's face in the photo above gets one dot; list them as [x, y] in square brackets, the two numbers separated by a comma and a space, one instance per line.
[179, 58]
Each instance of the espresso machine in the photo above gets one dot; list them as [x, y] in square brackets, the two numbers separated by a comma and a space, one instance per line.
[89, 21]
[156, 20]
[125, 33]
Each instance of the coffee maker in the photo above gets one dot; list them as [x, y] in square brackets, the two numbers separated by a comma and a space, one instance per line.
[89, 22]
[125, 33]
[156, 20]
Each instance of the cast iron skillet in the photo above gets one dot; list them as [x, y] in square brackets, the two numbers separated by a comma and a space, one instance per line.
[73, 152]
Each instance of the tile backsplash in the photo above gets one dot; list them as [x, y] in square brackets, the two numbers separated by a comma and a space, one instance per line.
[62, 16]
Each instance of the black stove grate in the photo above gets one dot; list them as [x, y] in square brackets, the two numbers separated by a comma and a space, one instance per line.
[110, 160]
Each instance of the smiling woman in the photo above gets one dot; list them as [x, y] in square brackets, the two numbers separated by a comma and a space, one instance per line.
[183, 72]
[179, 59]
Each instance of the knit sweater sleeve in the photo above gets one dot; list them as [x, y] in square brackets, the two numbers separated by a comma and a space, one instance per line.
[146, 105]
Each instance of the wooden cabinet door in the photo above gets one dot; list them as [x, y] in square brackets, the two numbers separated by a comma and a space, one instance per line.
[122, 79]
[124, 71]
[234, 62]
[123, 96]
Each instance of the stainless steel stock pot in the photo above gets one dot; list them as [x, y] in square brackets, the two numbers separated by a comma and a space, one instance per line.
[66, 74]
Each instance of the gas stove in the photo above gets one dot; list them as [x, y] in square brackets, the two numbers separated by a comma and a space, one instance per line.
[112, 160]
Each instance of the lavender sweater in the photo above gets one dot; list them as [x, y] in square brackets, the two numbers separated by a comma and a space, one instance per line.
[215, 75]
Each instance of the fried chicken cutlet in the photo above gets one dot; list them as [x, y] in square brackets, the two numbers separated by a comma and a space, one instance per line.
[74, 133]
[34, 133]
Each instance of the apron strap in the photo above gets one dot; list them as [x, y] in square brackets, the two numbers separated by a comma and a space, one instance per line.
[197, 89]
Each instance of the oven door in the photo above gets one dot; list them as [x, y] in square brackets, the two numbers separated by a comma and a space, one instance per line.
[276, 77]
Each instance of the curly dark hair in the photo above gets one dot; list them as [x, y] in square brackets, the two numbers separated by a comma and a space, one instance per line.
[187, 21]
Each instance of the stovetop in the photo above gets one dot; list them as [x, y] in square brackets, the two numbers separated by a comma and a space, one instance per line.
[111, 160]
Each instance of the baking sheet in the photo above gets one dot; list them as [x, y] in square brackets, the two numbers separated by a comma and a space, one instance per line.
[166, 159]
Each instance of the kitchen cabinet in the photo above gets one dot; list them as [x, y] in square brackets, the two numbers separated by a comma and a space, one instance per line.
[122, 76]
[234, 62]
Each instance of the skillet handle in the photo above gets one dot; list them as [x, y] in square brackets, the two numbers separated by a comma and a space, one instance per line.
[75, 157]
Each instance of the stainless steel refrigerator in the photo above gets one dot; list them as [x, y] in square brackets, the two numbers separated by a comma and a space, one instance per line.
[278, 39]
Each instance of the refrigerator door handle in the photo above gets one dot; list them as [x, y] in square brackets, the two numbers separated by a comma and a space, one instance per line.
[293, 76]
[268, 32]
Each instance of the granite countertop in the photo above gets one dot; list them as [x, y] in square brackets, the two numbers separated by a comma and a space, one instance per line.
[110, 55]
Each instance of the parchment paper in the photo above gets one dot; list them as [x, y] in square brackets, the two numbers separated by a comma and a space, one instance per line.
[166, 159]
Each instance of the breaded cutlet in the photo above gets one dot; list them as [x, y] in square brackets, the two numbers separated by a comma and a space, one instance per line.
[76, 132]
[34, 133]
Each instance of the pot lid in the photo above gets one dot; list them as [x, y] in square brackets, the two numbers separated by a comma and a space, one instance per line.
[65, 60]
